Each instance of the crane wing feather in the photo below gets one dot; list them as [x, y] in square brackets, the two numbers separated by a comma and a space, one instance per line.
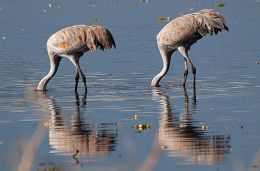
[189, 28]
[81, 38]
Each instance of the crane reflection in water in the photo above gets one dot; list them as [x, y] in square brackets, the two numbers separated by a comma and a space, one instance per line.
[182, 136]
[73, 136]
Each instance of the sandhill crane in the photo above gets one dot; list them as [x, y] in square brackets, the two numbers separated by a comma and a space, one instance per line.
[181, 33]
[71, 43]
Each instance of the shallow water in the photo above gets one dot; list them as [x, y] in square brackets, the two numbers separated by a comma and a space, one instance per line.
[214, 127]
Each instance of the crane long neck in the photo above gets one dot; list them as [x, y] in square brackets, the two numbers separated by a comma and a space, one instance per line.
[166, 58]
[54, 64]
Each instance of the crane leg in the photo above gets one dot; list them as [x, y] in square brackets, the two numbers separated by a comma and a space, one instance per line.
[184, 53]
[75, 61]
[185, 72]
[76, 80]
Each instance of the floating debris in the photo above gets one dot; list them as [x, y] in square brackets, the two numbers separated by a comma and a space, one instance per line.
[47, 124]
[144, 1]
[120, 126]
[163, 147]
[219, 5]
[4, 38]
[96, 19]
[142, 126]
[135, 116]
[204, 127]
[52, 6]
[163, 18]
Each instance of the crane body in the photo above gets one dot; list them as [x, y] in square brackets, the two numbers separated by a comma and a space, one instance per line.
[71, 43]
[181, 33]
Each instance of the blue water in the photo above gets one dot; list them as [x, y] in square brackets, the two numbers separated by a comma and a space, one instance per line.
[214, 127]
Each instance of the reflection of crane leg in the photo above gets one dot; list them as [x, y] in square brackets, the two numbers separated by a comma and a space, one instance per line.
[74, 156]
[184, 53]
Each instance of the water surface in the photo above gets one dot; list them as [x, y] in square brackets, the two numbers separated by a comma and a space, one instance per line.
[214, 127]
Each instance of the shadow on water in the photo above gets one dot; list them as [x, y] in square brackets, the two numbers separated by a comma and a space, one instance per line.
[182, 136]
[73, 136]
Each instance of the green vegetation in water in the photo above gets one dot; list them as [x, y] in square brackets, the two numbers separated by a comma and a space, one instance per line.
[142, 126]
[52, 168]
[163, 18]
[96, 19]
[219, 5]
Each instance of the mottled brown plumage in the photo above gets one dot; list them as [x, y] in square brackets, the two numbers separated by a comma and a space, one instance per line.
[181, 33]
[71, 43]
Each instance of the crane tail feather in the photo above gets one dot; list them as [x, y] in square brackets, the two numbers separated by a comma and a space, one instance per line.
[210, 22]
[104, 37]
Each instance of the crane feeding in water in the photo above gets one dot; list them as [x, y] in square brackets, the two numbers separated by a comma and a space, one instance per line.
[181, 33]
[71, 43]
